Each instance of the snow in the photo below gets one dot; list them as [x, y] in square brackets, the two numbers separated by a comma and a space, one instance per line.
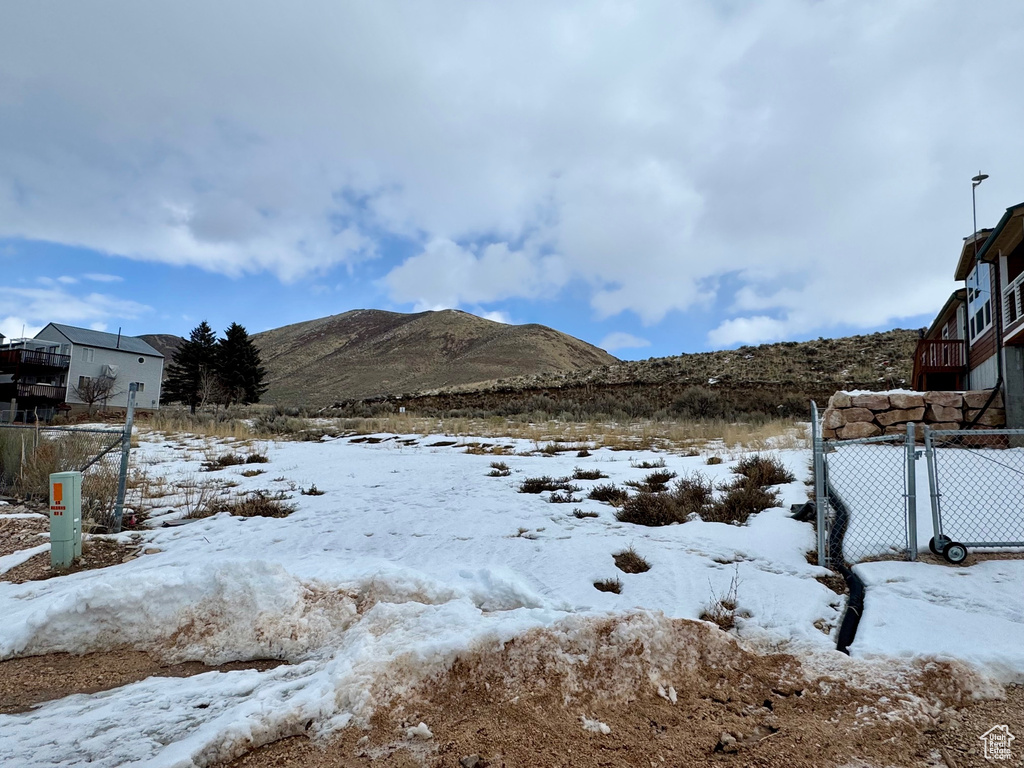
[411, 557]
[595, 726]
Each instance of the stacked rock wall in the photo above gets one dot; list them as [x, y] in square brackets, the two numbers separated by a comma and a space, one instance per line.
[849, 415]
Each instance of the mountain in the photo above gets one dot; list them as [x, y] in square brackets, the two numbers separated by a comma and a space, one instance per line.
[164, 343]
[368, 353]
[779, 378]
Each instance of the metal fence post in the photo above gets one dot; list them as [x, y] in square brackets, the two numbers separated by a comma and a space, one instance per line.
[912, 490]
[819, 483]
[933, 486]
[126, 447]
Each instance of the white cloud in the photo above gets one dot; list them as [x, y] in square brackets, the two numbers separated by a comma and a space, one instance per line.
[645, 151]
[17, 327]
[39, 306]
[99, 277]
[445, 274]
[67, 280]
[497, 317]
[622, 340]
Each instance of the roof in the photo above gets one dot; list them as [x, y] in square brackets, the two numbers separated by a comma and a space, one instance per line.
[958, 297]
[1005, 237]
[966, 262]
[88, 338]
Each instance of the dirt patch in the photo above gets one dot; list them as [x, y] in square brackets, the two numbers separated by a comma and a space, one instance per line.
[96, 553]
[692, 698]
[17, 533]
[32, 680]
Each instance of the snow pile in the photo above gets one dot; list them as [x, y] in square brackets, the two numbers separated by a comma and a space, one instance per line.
[595, 726]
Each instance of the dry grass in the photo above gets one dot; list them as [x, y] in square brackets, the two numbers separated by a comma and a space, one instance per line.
[763, 470]
[629, 561]
[258, 504]
[609, 585]
[581, 514]
[312, 491]
[650, 509]
[499, 469]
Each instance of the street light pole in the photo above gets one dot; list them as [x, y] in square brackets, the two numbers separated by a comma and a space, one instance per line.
[974, 208]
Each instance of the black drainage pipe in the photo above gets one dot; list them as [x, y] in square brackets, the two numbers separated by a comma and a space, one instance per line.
[855, 601]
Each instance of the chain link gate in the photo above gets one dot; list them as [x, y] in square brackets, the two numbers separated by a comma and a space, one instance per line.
[865, 496]
[30, 454]
[976, 483]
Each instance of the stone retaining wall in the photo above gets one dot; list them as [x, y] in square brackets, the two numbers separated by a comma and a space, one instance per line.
[849, 416]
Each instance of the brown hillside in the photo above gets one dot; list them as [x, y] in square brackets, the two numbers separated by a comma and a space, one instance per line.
[777, 378]
[367, 353]
[164, 343]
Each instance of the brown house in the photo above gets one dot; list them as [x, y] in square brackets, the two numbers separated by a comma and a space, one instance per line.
[977, 339]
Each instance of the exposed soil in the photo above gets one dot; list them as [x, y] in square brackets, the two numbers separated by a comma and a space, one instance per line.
[17, 533]
[96, 553]
[525, 705]
[32, 680]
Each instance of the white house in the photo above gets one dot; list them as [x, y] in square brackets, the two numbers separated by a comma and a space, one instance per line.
[96, 354]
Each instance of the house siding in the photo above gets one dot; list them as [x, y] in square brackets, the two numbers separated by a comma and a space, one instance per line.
[985, 375]
[149, 373]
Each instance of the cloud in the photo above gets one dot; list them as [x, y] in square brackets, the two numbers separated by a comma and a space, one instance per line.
[446, 274]
[808, 155]
[67, 280]
[17, 327]
[39, 306]
[99, 277]
[622, 340]
[497, 317]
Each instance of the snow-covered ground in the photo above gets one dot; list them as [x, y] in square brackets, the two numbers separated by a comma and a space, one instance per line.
[412, 555]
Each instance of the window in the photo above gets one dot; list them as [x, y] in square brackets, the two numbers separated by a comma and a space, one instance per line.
[142, 360]
[979, 300]
[141, 386]
[83, 381]
[87, 354]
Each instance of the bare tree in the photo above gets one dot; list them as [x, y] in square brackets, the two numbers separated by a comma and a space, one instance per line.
[96, 389]
[210, 388]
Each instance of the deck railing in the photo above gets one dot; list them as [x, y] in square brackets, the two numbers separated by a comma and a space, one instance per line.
[1013, 311]
[34, 357]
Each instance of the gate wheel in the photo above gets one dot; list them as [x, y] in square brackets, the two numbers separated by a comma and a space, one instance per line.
[955, 552]
[938, 547]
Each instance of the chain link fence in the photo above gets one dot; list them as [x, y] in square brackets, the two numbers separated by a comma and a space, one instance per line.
[29, 454]
[865, 497]
[976, 481]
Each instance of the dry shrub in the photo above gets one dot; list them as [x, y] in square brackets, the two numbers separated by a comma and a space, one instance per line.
[651, 509]
[657, 464]
[722, 609]
[629, 561]
[546, 483]
[692, 494]
[608, 492]
[312, 491]
[499, 469]
[581, 514]
[218, 463]
[258, 504]
[562, 498]
[252, 472]
[609, 585]
[763, 470]
[741, 500]
[656, 481]
[713, 460]
[587, 474]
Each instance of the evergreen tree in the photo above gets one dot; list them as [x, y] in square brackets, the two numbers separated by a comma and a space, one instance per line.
[194, 363]
[239, 367]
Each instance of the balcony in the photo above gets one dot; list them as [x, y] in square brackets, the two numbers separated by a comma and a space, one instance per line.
[1013, 311]
[33, 357]
[35, 391]
[939, 364]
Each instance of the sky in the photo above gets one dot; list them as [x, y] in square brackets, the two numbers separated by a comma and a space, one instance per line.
[654, 178]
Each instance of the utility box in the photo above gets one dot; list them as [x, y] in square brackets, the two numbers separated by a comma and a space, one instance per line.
[65, 518]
